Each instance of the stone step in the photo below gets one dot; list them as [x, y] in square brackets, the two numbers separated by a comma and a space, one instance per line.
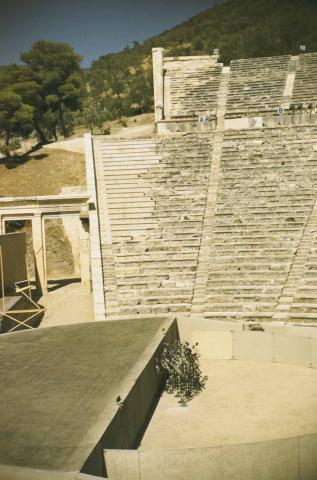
[163, 292]
[137, 300]
[299, 316]
[154, 309]
[257, 289]
[242, 297]
[239, 307]
[232, 282]
[303, 307]
[187, 257]
[262, 316]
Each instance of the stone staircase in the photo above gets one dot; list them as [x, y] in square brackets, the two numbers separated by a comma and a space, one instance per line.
[198, 304]
[296, 272]
[304, 300]
[152, 195]
[290, 80]
[256, 85]
[305, 87]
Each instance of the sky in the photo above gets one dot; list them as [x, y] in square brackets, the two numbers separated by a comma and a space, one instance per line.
[92, 27]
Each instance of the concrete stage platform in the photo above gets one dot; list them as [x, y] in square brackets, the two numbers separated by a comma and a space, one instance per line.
[59, 390]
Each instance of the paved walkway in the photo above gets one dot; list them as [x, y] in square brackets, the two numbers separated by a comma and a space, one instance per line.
[67, 304]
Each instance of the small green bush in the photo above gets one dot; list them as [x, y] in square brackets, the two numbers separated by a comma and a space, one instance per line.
[180, 361]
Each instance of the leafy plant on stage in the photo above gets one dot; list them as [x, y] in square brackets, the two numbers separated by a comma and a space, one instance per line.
[180, 361]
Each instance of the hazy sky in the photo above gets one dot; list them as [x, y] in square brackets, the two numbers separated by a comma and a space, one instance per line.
[93, 27]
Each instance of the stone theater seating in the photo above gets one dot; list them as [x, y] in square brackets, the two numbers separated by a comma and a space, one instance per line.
[217, 219]
[264, 202]
[194, 91]
[156, 193]
[256, 84]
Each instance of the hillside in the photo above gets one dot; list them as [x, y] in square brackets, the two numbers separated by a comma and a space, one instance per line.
[239, 28]
[45, 172]
[60, 164]
[246, 28]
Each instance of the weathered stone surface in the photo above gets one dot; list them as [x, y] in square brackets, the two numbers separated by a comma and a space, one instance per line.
[225, 214]
[68, 379]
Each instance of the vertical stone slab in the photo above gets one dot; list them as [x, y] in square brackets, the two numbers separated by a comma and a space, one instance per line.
[291, 349]
[214, 345]
[122, 464]
[167, 94]
[253, 346]
[84, 255]
[39, 252]
[158, 79]
[13, 249]
[313, 343]
[272, 460]
[95, 250]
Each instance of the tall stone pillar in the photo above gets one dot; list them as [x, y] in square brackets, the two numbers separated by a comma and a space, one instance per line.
[95, 247]
[158, 80]
[38, 236]
[84, 254]
[2, 230]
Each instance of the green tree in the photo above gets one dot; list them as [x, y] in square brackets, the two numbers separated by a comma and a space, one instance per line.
[94, 114]
[141, 90]
[19, 79]
[16, 119]
[55, 69]
[180, 362]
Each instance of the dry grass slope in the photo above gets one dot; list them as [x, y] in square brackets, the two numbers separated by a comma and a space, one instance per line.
[44, 172]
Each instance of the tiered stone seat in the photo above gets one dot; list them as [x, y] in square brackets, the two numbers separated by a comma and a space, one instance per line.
[256, 85]
[305, 86]
[215, 223]
[154, 193]
[266, 192]
[193, 91]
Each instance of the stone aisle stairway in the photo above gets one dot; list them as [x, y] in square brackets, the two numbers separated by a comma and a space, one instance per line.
[152, 196]
[266, 192]
[304, 305]
[305, 87]
[296, 275]
[200, 290]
